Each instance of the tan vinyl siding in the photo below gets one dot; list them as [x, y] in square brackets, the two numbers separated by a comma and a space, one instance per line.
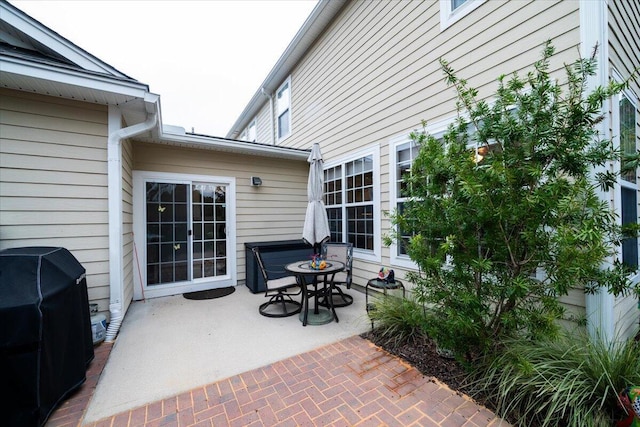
[53, 182]
[624, 57]
[264, 127]
[374, 74]
[127, 223]
[273, 211]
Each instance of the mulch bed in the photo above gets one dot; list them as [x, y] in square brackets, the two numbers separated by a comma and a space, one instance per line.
[422, 354]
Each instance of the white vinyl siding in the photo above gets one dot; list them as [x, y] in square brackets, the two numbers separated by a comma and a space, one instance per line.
[53, 181]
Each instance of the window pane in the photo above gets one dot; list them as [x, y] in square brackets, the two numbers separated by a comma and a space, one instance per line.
[629, 216]
[333, 186]
[335, 224]
[283, 124]
[360, 226]
[283, 99]
[628, 133]
[457, 3]
[405, 154]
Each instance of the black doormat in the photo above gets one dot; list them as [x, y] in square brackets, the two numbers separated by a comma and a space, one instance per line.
[210, 293]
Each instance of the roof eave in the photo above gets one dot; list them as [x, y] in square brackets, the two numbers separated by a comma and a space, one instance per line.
[175, 135]
[42, 34]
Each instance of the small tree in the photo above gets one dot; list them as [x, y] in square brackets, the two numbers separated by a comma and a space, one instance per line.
[509, 192]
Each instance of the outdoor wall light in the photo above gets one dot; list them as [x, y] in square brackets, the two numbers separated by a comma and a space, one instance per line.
[256, 181]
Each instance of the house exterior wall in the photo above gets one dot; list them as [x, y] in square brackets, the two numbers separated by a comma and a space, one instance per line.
[373, 76]
[273, 211]
[264, 125]
[624, 55]
[53, 180]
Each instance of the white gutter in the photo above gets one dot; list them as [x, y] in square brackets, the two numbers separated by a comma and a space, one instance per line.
[114, 176]
[594, 31]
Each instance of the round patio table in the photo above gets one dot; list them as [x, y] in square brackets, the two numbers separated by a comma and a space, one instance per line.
[302, 269]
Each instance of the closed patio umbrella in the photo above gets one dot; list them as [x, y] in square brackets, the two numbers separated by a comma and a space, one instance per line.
[316, 224]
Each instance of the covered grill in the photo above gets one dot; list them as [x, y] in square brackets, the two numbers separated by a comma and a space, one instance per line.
[45, 331]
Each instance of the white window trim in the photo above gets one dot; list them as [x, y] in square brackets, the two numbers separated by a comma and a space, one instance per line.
[374, 152]
[615, 120]
[437, 128]
[448, 17]
[277, 115]
[139, 233]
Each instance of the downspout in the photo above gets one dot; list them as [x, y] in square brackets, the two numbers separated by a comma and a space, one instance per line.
[114, 176]
[271, 118]
[594, 31]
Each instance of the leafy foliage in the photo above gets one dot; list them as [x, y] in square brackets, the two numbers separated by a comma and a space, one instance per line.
[571, 381]
[510, 191]
[399, 320]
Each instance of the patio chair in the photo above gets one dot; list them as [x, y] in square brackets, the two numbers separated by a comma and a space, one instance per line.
[342, 252]
[279, 290]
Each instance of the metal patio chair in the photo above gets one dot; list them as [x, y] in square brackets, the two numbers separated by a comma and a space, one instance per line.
[342, 252]
[279, 290]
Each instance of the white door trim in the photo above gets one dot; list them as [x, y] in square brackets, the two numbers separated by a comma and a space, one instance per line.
[140, 289]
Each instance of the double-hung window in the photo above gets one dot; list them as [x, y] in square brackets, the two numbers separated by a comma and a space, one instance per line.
[403, 152]
[283, 108]
[350, 196]
[626, 125]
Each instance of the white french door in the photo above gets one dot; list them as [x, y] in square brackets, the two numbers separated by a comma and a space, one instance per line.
[183, 233]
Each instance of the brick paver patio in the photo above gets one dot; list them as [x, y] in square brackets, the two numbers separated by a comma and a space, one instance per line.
[348, 383]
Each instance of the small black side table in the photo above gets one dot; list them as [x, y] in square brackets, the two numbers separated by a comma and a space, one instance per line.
[380, 284]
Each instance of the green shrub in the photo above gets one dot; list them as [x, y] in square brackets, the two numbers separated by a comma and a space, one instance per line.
[508, 192]
[398, 320]
[571, 381]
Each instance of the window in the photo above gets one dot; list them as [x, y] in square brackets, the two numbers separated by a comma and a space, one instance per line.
[283, 108]
[251, 131]
[627, 134]
[403, 152]
[453, 10]
[350, 190]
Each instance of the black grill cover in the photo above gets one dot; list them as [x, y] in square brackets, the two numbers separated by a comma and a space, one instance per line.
[45, 332]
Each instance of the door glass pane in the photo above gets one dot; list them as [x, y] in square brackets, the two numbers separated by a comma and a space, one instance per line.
[167, 224]
[209, 238]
